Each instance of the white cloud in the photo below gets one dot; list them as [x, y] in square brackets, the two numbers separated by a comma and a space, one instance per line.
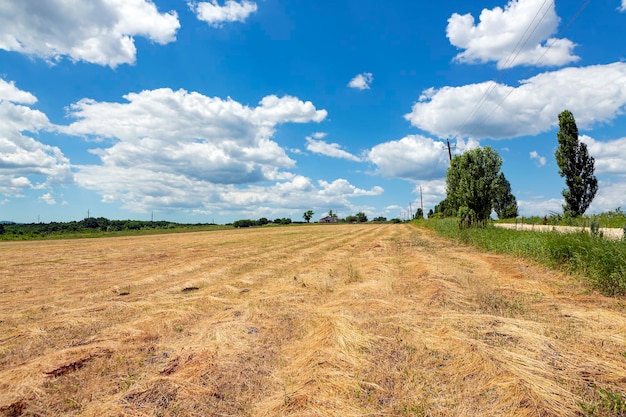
[540, 207]
[9, 92]
[623, 7]
[432, 191]
[611, 194]
[274, 110]
[519, 34]
[332, 150]
[292, 194]
[25, 162]
[98, 32]
[412, 157]
[179, 149]
[362, 81]
[342, 187]
[231, 11]
[595, 94]
[48, 199]
[142, 190]
[541, 160]
[609, 155]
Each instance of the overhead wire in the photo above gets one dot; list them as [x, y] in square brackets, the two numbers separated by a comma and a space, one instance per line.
[550, 45]
[515, 52]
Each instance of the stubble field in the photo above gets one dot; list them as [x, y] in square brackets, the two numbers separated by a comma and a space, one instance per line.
[319, 320]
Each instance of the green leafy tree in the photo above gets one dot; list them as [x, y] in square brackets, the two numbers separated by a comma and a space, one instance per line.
[308, 215]
[576, 166]
[419, 214]
[361, 217]
[446, 208]
[504, 203]
[471, 182]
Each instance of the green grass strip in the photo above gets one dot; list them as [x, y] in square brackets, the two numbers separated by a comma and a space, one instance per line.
[600, 261]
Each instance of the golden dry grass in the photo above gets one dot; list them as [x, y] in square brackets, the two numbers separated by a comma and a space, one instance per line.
[335, 320]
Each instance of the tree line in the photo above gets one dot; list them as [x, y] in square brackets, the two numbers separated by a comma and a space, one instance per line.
[89, 224]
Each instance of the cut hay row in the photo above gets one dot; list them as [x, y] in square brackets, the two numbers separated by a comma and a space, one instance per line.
[336, 320]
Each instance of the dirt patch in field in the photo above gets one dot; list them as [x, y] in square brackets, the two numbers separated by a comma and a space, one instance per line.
[328, 320]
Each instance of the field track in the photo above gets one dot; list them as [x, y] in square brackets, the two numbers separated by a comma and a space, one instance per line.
[319, 320]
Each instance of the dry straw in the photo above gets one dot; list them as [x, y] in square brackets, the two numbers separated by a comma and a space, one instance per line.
[340, 320]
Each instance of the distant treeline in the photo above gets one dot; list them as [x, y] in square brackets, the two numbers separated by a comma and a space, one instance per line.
[359, 218]
[261, 222]
[87, 225]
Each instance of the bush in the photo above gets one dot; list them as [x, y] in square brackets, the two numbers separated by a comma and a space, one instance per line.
[243, 223]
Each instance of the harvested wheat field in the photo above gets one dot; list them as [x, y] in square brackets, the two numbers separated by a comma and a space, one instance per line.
[319, 320]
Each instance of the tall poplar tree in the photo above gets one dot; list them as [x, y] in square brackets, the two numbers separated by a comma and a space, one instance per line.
[576, 166]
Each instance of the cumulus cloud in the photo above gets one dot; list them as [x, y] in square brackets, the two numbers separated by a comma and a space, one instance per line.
[541, 160]
[362, 81]
[26, 163]
[48, 198]
[332, 150]
[595, 94]
[100, 32]
[519, 34]
[609, 155]
[215, 15]
[414, 157]
[432, 192]
[9, 92]
[540, 207]
[182, 149]
[623, 7]
[611, 194]
[343, 187]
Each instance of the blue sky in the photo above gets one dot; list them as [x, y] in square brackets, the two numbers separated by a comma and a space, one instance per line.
[195, 111]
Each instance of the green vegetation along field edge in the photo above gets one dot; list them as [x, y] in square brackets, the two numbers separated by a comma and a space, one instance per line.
[601, 262]
[92, 227]
[612, 218]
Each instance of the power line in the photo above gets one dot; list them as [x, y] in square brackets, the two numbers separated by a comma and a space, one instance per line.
[580, 10]
[514, 53]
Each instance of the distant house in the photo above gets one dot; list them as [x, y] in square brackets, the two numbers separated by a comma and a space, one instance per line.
[329, 219]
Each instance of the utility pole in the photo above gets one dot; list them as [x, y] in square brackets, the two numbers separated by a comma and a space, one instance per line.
[449, 151]
[410, 211]
[421, 201]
